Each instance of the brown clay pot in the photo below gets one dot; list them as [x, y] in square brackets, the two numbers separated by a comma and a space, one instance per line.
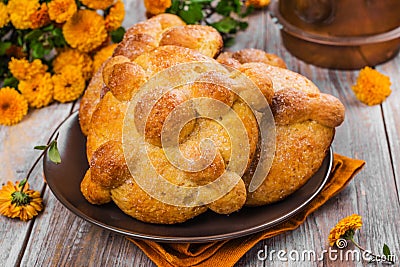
[340, 34]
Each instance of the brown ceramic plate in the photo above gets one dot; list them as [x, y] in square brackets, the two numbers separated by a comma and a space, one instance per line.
[64, 181]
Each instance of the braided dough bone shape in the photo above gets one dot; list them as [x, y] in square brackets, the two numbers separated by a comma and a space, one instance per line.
[104, 104]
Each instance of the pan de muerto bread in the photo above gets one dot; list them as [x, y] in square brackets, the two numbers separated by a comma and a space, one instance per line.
[172, 133]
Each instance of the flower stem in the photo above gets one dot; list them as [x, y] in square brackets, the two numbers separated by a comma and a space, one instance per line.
[374, 257]
[40, 156]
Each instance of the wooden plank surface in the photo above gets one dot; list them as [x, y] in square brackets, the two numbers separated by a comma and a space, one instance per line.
[59, 238]
[17, 156]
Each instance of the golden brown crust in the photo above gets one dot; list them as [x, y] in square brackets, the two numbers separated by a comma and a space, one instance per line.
[305, 121]
[256, 55]
[168, 20]
[151, 27]
[145, 208]
[293, 106]
[204, 39]
[256, 73]
[109, 65]
[154, 122]
[227, 59]
[232, 201]
[135, 45]
[300, 150]
[90, 100]
[214, 85]
[125, 80]
[106, 123]
[94, 192]
[167, 56]
[108, 166]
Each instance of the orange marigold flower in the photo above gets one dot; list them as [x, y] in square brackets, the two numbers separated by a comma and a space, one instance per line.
[372, 87]
[102, 55]
[18, 201]
[13, 106]
[258, 3]
[20, 12]
[40, 18]
[38, 90]
[156, 7]
[68, 85]
[22, 69]
[116, 16]
[343, 227]
[98, 4]
[4, 18]
[61, 10]
[73, 57]
[85, 30]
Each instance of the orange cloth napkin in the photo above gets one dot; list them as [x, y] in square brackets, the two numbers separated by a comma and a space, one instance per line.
[228, 252]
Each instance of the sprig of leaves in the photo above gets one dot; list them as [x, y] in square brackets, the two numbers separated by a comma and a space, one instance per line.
[53, 153]
[40, 42]
[226, 16]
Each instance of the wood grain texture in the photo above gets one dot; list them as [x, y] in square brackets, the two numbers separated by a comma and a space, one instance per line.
[59, 238]
[391, 111]
[17, 156]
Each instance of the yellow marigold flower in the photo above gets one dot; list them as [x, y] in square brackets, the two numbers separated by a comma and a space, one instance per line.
[156, 7]
[116, 16]
[4, 18]
[102, 55]
[98, 4]
[20, 12]
[19, 201]
[73, 57]
[61, 10]
[13, 106]
[350, 223]
[38, 90]
[68, 85]
[85, 30]
[372, 87]
[22, 69]
[40, 18]
[258, 3]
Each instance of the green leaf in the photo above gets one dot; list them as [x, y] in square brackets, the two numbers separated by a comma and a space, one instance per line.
[238, 6]
[54, 154]
[225, 25]
[40, 147]
[33, 35]
[117, 35]
[37, 50]
[246, 12]
[202, 1]
[11, 82]
[386, 250]
[4, 46]
[223, 9]
[193, 15]
[243, 25]
[48, 28]
[20, 42]
[229, 41]
[175, 7]
[56, 32]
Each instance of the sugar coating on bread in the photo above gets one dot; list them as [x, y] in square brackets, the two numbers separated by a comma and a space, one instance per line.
[305, 121]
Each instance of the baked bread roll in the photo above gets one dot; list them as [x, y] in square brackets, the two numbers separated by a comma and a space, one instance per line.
[128, 114]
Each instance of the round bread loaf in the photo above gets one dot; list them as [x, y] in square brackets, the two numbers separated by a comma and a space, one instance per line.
[128, 114]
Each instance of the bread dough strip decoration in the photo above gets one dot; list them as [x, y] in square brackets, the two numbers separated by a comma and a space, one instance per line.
[184, 77]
